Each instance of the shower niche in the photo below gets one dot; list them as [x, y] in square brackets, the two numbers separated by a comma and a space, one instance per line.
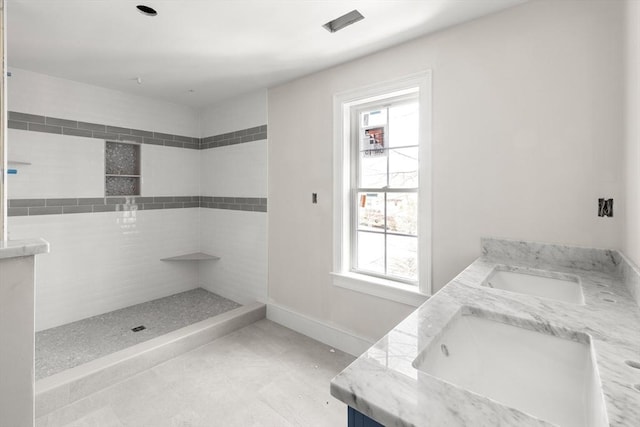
[122, 169]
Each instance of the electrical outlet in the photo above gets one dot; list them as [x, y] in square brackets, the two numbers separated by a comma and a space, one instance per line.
[605, 207]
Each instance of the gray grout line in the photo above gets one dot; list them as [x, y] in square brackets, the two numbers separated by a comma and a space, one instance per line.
[36, 123]
[30, 207]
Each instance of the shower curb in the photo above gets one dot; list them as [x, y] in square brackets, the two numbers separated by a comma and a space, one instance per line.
[66, 387]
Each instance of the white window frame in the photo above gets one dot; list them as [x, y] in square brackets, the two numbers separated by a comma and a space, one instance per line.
[343, 277]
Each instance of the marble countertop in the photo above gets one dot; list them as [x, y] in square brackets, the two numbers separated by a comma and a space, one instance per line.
[19, 248]
[383, 384]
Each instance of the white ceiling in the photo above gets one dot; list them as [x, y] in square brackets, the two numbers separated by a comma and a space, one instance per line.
[216, 48]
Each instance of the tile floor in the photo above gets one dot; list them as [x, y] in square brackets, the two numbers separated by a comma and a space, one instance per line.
[80, 342]
[261, 375]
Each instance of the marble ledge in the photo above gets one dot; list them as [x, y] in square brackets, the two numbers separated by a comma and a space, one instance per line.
[536, 254]
[21, 248]
[383, 383]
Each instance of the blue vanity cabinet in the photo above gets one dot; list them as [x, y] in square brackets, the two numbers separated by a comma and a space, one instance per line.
[357, 419]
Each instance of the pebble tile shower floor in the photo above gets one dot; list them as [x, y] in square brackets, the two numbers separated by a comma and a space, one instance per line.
[73, 344]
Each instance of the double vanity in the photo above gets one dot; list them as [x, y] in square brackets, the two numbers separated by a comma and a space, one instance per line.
[528, 335]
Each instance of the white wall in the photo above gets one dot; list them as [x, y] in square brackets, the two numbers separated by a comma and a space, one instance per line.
[101, 261]
[242, 112]
[527, 130]
[35, 93]
[631, 246]
[240, 170]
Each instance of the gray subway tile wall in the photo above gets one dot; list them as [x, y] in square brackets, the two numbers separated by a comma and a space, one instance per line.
[60, 126]
[26, 203]
[84, 125]
[18, 211]
[61, 202]
[24, 117]
[116, 129]
[13, 124]
[237, 137]
[104, 208]
[36, 123]
[49, 210]
[61, 122]
[76, 132]
[28, 207]
[53, 206]
[254, 204]
[37, 127]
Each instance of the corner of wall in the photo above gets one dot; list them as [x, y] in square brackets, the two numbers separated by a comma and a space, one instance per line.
[631, 239]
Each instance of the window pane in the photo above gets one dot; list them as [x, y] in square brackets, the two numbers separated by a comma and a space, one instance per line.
[370, 211]
[374, 117]
[403, 125]
[402, 213]
[370, 255]
[402, 254]
[384, 189]
[373, 171]
[403, 168]
[373, 141]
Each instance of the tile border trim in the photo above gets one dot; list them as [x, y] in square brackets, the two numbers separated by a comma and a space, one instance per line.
[58, 126]
[37, 123]
[252, 204]
[256, 133]
[61, 206]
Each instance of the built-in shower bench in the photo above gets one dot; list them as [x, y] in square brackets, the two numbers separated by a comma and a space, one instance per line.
[195, 256]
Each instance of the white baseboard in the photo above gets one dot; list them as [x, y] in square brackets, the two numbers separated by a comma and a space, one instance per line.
[318, 330]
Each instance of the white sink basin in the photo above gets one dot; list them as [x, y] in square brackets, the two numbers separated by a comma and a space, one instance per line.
[558, 286]
[550, 378]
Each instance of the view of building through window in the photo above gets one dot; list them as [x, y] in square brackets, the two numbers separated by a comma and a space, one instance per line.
[385, 191]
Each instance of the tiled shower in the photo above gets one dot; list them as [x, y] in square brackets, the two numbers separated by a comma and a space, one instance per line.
[200, 175]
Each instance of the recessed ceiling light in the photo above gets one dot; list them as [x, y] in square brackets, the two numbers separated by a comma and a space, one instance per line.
[146, 10]
[343, 21]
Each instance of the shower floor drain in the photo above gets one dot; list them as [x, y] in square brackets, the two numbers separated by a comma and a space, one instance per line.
[138, 328]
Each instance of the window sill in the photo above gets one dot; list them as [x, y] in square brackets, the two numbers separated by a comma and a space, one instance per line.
[382, 288]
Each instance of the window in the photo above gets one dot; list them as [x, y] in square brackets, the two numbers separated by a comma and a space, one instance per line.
[384, 189]
[382, 197]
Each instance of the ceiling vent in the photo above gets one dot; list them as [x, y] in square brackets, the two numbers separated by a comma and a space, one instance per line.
[146, 10]
[343, 21]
